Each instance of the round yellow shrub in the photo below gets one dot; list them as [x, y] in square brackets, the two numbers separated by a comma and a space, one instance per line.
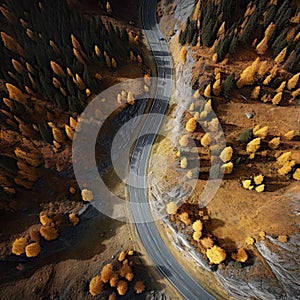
[18, 246]
[49, 233]
[172, 208]
[197, 226]
[96, 286]
[216, 254]
[33, 249]
[106, 273]
[122, 287]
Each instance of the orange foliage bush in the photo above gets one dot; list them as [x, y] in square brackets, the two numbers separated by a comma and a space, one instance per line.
[49, 233]
[122, 287]
[96, 286]
[33, 249]
[106, 273]
[114, 279]
[18, 246]
[139, 287]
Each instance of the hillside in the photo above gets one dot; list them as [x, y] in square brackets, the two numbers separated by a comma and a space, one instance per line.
[56, 57]
[240, 125]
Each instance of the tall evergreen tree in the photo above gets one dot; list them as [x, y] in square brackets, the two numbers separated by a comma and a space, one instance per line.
[228, 85]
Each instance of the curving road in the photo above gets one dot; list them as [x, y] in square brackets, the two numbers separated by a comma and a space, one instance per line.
[147, 231]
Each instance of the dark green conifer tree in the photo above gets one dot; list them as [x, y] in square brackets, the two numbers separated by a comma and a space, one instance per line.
[228, 85]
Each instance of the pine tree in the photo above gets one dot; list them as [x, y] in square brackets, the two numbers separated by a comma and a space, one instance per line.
[280, 42]
[270, 15]
[46, 133]
[249, 29]
[195, 39]
[283, 16]
[223, 47]
[8, 163]
[182, 37]
[233, 45]
[228, 85]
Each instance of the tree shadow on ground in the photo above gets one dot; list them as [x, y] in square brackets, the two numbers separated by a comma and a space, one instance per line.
[81, 242]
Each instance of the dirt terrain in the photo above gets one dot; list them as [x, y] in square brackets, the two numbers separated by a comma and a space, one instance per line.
[65, 266]
[237, 218]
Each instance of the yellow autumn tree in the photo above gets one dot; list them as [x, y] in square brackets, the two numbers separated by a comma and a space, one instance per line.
[172, 208]
[197, 236]
[227, 168]
[214, 57]
[221, 30]
[184, 217]
[79, 82]
[18, 246]
[260, 132]
[191, 125]
[281, 87]
[73, 219]
[58, 135]
[241, 255]
[108, 7]
[263, 69]
[69, 132]
[49, 233]
[75, 42]
[267, 80]
[15, 93]
[247, 77]
[183, 163]
[290, 135]
[197, 226]
[292, 83]
[122, 287]
[114, 279]
[266, 98]
[279, 59]
[274, 143]
[283, 158]
[107, 60]
[184, 141]
[262, 47]
[33, 249]
[217, 87]
[56, 82]
[255, 92]
[96, 286]
[196, 11]
[114, 63]
[226, 154]
[106, 273]
[277, 98]
[207, 91]
[97, 50]
[182, 56]
[253, 145]
[18, 66]
[205, 140]
[216, 254]
[57, 69]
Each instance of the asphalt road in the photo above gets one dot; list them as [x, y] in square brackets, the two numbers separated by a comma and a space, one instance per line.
[147, 231]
